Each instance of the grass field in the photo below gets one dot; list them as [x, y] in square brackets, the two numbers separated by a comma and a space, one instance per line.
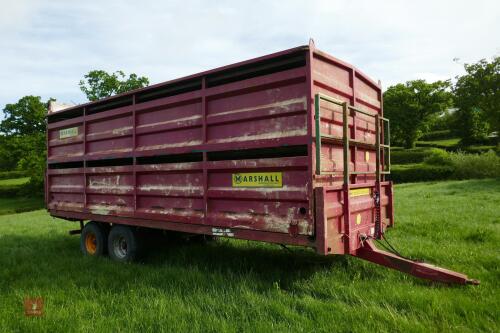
[445, 143]
[15, 181]
[238, 286]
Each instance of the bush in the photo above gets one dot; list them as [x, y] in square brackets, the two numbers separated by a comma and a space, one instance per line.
[442, 165]
[479, 149]
[420, 173]
[9, 191]
[12, 174]
[468, 166]
[409, 156]
[33, 188]
[438, 157]
[436, 135]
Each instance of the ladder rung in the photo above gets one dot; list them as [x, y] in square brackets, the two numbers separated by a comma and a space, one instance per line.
[366, 113]
[332, 173]
[351, 141]
[362, 172]
[362, 143]
[385, 172]
[331, 137]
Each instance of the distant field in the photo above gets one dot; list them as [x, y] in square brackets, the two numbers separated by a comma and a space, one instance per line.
[15, 181]
[440, 143]
[234, 286]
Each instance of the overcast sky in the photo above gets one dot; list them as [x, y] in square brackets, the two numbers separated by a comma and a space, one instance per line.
[47, 46]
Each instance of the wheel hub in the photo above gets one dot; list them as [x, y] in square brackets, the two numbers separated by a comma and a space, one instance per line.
[91, 243]
[120, 247]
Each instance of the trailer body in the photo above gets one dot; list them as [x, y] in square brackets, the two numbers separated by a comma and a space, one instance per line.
[289, 148]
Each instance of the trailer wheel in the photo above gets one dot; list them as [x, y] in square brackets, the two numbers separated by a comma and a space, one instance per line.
[93, 239]
[123, 244]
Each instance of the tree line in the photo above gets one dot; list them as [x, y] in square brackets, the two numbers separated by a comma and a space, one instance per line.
[469, 108]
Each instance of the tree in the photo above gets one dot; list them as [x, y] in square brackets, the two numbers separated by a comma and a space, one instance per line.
[23, 138]
[477, 95]
[33, 160]
[471, 126]
[99, 84]
[25, 117]
[412, 106]
[9, 154]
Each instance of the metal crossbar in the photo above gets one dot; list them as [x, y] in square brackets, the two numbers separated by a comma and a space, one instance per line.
[380, 129]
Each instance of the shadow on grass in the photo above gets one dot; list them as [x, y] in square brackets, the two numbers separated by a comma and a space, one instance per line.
[475, 185]
[176, 266]
[14, 204]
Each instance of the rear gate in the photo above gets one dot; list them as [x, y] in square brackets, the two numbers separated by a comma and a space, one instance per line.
[339, 235]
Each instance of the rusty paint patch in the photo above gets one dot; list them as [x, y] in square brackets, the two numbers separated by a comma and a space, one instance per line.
[116, 131]
[101, 209]
[168, 145]
[67, 154]
[274, 223]
[285, 188]
[110, 151]
[167, 189]
[277, 105]
[174, 211]
[175, 121]
[66, 205]
[263, 136]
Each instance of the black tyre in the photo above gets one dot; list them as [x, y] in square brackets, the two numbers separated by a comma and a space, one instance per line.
[123, 244]
[93, 239]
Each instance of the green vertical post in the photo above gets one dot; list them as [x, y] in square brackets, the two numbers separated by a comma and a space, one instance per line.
[317, 117]
[377, 145]
[346, 137]
[388, 146]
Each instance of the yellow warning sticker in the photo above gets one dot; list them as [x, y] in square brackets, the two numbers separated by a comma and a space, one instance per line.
[258, 179]
[68, 132]
[359, 192]
[358, 219]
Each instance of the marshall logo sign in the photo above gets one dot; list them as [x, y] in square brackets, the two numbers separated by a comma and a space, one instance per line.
[258, 179]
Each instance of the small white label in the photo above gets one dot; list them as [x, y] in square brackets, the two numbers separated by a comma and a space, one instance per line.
[68, 132]
[222, 232]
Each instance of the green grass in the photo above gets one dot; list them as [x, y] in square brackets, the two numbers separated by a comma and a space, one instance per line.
[452, 144]
[15, 181]
[444, 143]
[247, 286]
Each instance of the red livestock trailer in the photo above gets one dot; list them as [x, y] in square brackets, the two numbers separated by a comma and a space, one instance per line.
[289, 148]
